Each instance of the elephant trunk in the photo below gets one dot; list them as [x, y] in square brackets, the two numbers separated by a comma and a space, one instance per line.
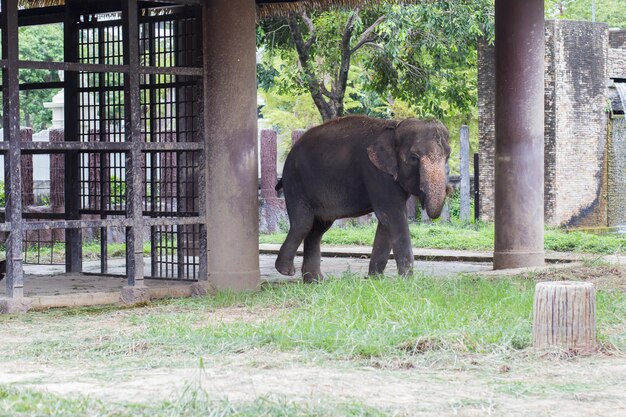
[433, 185]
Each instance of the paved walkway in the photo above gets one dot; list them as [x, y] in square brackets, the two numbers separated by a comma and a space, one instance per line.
[425, 254]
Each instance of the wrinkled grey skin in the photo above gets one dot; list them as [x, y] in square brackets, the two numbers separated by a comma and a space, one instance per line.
[356, 165]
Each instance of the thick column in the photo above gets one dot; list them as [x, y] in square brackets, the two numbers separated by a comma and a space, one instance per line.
[135, 291]
[71, 160]
[12, 163]
[231, 135]
[519, 133]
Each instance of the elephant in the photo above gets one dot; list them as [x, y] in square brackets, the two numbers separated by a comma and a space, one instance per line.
[355, 165]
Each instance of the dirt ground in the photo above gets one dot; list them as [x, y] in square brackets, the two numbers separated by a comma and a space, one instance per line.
[432, 384]
[442, 385]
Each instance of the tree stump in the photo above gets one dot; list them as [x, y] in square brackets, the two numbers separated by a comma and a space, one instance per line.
[565, 316]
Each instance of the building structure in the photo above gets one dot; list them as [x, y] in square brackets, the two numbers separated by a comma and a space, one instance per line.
[583, 182]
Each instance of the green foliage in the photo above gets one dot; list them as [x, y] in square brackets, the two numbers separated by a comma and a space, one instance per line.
[3, 197]
[420, 61]
[429, 55]
[454, 202]
[118, 190]
[424, 55]
[287, 112]
[39, 43]
[612, 12]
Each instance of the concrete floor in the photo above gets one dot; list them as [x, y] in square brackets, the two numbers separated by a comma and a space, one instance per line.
[48, 286]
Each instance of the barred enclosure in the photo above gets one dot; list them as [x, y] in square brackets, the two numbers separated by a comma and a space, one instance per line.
[127, 168]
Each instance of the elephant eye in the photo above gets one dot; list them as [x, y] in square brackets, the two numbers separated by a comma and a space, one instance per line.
[414, 158]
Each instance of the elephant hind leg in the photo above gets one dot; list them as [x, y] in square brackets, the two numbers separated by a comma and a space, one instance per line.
[301, 221]
[311, 271]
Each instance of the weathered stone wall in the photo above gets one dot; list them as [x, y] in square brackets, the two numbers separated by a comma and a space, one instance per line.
[549, 136]
[576, 75]
[617, 53]
[580, 84]
[486, 128]
[617, 173]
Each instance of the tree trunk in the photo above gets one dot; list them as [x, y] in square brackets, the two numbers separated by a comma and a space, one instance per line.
[564, 316]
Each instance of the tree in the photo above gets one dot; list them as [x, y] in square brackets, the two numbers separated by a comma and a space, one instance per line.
[612, 12]
[39, 43]
[421, 54]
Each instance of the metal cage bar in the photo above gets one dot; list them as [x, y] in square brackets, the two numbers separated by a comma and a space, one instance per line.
[132, 152]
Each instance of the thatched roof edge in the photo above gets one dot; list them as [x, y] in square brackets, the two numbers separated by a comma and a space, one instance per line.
[264, 9]
[284, 8]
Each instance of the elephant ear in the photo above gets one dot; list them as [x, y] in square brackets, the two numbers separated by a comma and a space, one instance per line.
[383, 155]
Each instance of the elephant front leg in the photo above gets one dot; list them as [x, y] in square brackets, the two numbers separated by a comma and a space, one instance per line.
[380, 251]
[311, 266]
[398, 228]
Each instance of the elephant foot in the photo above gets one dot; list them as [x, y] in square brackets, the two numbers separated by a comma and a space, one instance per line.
[285, 268]
[405, 272]
[312, 277]
[375, 275]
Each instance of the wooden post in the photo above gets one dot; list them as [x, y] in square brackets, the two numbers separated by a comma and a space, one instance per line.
[445, 212]
[464, 212]
[424, 217]
[268, 163]
[476, 187]
[28, 197]
[565, 316]
[296, 134]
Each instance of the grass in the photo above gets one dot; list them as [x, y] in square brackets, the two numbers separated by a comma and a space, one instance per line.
[469, 237]
[345, 322]
[343, 318]
[193, 402]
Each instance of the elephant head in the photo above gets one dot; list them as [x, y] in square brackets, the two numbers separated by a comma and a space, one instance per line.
[415, 153]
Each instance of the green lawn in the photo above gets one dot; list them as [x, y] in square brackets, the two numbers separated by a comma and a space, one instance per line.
[345, 321]
[469, 237]
[344, 317]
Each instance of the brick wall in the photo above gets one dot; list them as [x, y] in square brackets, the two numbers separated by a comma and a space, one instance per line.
[486, 128]
[617, 53]
[580, 84]
[575, 124]
[617, 173]
[549, 135]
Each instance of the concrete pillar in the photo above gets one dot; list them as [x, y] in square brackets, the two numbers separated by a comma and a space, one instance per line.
[231, 135]
[57, 173]
[296, 134]
[268, 163]
[28, 197]
[519, 113]
[411, 208]
[464, 209]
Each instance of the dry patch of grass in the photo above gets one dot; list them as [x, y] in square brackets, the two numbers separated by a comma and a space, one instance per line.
[604, 276]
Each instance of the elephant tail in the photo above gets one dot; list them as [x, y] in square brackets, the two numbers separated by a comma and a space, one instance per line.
[279, 185]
